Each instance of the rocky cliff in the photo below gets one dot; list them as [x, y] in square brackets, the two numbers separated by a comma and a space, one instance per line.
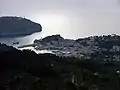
[98, 48]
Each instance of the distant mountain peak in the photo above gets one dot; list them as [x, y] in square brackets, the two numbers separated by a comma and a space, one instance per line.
[53, 38]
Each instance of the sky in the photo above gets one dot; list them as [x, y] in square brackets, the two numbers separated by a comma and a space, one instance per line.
[71, 18]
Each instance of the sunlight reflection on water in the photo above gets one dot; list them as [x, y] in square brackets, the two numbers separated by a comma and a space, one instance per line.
[25, 41]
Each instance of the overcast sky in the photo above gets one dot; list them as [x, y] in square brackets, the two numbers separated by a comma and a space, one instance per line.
[82, 17]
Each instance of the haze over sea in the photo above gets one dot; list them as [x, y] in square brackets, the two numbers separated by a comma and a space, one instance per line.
[69, 18]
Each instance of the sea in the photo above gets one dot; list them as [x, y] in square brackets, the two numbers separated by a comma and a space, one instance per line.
[26, 40]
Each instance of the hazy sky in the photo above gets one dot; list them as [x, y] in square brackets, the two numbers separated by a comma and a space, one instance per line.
[77, 17]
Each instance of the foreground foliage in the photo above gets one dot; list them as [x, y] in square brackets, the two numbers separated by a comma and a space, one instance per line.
[26, 70]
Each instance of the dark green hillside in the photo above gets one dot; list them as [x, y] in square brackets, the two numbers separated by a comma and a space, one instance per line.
[26, 70]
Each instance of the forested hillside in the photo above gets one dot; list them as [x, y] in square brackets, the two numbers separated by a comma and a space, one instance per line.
[26, 70]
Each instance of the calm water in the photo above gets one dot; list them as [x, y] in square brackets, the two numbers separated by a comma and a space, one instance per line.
[22, 40]
[30, 38]
[27, 40]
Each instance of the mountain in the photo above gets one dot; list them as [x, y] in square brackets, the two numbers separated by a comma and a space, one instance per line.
[17, 26]
[99, 48]
[26, 70]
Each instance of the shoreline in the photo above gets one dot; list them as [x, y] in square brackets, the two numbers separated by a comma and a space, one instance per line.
[24, 46]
